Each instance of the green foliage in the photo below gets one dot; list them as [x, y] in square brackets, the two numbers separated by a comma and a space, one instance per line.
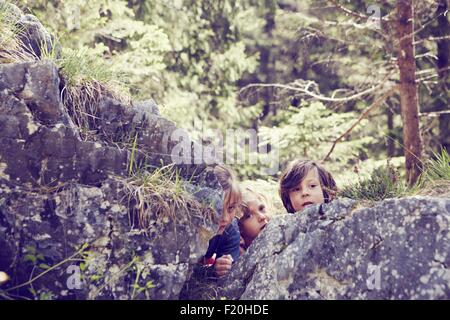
[194, 57]
[31, 255]
[308, 132]
[9, 35]
[84, 65]
[87, 77]
[46, 295]
[132, 51]
[383, 183]
[438, 168]
[435, 179]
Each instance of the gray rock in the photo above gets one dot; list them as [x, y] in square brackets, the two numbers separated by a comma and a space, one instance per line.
[38, 229]
[398, 249]
[58, 192]
[40, 143]
[36, 39]
[146, 107]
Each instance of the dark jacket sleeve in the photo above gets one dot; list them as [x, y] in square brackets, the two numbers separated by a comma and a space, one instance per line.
[226, 243]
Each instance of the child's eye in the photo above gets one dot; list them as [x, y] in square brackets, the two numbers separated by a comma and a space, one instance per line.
[261, 207]
[313, 185]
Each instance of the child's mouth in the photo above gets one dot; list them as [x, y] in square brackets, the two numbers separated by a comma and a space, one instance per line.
[307, 204]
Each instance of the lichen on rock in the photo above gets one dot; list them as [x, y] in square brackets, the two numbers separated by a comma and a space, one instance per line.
[66, 202]
[397, 249]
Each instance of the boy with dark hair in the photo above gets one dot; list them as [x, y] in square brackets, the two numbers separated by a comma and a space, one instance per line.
[306, 182]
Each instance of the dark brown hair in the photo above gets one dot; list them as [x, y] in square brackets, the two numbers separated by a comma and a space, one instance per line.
[293, 175]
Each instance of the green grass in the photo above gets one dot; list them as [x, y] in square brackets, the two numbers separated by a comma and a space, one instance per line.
[435, 180]
[385, 182]
[86, 75]
[202, 285]
[438, 168]
[87, 79]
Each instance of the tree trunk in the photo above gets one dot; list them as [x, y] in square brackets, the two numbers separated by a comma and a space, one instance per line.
[266, 57]
[442, 65]
[408, 91]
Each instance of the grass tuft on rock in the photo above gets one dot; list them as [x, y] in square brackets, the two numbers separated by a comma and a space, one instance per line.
[160, 194]
[385, 182]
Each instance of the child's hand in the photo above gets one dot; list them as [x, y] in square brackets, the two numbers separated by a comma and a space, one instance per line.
[223, 265]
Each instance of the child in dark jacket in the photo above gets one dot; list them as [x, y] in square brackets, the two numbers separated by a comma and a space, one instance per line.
[227, 240]
[243, 218]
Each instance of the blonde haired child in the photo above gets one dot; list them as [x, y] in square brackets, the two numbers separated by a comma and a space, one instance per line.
[244, 216]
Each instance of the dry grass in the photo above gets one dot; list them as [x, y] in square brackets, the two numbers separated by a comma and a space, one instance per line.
[12, 49]
[87, 80]
[202, 285]
[434, 188]
[81, 102]
[86, 76]
[160, 194]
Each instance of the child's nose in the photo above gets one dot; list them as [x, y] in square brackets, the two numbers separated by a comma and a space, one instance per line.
[305, 193]
[262, 217]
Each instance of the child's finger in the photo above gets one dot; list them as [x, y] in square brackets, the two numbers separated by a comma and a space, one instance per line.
[229, 257]
[223, 262]
[223, 267]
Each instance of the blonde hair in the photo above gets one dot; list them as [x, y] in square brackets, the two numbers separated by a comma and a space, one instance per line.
[236, 198]
[249, 194]
[232, 196]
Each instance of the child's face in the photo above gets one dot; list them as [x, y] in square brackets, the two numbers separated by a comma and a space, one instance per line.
[309, 191]
[254, 220]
